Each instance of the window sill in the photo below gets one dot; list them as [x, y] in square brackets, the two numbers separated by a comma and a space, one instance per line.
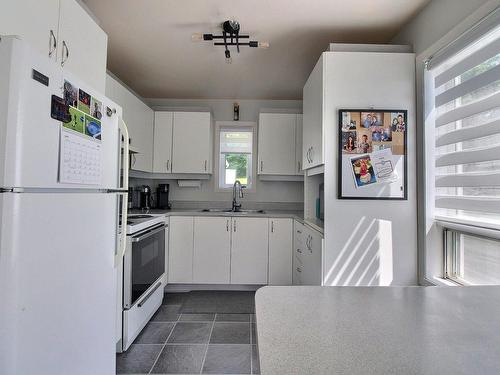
[468, 227]
[440, 281]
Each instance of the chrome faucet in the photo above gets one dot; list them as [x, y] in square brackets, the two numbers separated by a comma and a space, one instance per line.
[236, 205]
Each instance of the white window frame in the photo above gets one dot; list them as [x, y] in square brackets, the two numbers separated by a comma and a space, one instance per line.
[454, 253]
[236, 126]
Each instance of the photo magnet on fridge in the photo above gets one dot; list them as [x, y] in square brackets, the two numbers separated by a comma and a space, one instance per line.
[83, 101]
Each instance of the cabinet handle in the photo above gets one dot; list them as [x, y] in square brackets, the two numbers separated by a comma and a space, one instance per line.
[234, 225]
[298, 269]
[299, 251]
[261, 165]
[168, 165]
[299, 231]
[227, 225]
[64, 47]
[312, 154]
[272, 226]
[52, 43]
[309, 154]
[205, 165]
[298, 166]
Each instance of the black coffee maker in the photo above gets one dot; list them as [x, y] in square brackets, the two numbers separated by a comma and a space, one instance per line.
[162, 196]
[144, 197]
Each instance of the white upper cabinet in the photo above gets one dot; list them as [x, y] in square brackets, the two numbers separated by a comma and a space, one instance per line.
[280, 251]
[212, 250]
[298, 146]
[249, 251]
[277, 141]
[192, 143]
[312, 142]
[63, 30]
[139, 119]
[82, 47]
[162, 140]
[34, 21]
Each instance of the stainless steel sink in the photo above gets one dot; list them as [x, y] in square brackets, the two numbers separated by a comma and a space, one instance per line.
[228, 210]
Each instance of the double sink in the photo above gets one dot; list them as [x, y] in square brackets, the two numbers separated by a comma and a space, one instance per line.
[228, 210]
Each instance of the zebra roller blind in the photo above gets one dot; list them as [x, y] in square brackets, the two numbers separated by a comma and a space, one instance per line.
[465, 97]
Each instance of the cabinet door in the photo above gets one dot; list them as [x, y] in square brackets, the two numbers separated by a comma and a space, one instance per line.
[280, 251]
[162, 140]
[212, 250]
[299, 251]
[312, 150]
[192, 142]
[180, 252]
[312, 260]
[249, 250]
[82, 45]
[33, 21]
[139, 119]
[276, 147]
[298, 146]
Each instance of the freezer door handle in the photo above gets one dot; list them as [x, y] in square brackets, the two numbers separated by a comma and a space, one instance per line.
[123, 154]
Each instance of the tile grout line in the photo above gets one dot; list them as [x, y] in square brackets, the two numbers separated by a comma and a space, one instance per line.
[164, 344]
[251, 348]
[208, 343]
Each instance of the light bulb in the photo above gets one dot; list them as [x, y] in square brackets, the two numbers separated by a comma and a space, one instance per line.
[229, 60]
[197, 37]
[263, 45]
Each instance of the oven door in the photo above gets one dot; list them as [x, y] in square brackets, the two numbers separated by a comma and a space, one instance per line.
[143, 263]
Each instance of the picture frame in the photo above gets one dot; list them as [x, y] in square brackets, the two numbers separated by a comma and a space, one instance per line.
[373, 154]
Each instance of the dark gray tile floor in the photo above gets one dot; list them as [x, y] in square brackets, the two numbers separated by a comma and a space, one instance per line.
[201, 332]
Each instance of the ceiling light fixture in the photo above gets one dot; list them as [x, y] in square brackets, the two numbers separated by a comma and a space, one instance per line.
[230, 37]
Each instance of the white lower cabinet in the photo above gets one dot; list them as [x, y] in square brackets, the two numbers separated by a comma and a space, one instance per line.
[212, 250]
[230, 250]
[180, 252]
[249, 250]
[280, 254]
[307, 256]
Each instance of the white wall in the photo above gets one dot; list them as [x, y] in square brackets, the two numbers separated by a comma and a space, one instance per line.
[435, 21]
[369, 242]
[437, 25]
[222, 110]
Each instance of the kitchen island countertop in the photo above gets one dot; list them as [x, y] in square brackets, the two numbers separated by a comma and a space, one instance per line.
[378, 330]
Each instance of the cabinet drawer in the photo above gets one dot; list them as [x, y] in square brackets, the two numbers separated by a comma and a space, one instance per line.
[297, 275]
[136, 318]
[298, 234]
[299, 254]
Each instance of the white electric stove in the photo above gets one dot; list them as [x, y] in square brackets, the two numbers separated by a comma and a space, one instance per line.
[140, 222]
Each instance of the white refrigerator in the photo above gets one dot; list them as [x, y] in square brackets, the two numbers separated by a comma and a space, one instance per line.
[63, 197]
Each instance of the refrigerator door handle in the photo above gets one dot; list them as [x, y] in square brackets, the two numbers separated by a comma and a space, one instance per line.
[121, 222]
[121, 229]
[123, 154]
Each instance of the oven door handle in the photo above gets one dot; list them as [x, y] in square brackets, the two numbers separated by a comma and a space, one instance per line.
[149, 295]
[149, 234]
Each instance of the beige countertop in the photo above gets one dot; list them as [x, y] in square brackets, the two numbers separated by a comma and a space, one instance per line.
[297, 215]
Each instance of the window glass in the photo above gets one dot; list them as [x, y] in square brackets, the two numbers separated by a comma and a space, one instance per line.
[235, 158]
[473, 260]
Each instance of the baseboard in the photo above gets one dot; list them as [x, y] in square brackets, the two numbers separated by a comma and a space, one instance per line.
[183, 288]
